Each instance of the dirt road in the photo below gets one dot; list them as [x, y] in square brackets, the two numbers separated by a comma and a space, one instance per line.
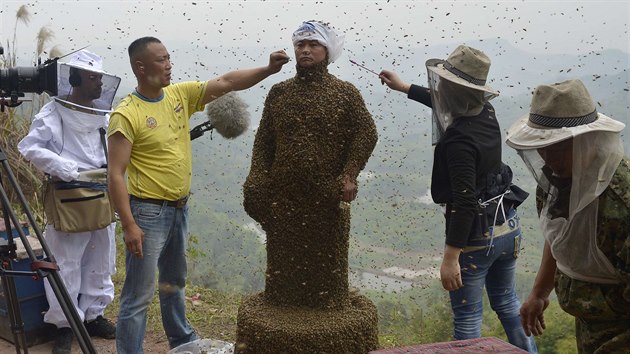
[153, 343]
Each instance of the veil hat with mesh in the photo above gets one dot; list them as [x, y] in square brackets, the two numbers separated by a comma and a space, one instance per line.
[558, 112]
[85, 60]
[466, 66]
[571, 177]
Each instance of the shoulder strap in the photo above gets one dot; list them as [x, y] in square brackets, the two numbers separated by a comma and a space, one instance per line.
[103, 141]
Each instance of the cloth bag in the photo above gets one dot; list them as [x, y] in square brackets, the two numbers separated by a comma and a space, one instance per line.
[78, 206]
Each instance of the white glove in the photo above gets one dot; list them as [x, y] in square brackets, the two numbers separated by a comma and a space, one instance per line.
[98, 175]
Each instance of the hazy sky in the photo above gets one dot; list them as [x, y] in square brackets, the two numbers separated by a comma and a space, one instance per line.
[109, 26]
[208, 38]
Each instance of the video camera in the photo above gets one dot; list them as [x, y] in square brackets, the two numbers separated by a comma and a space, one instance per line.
[14, 82]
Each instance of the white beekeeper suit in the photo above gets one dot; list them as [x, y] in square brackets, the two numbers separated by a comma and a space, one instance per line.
[64, 141]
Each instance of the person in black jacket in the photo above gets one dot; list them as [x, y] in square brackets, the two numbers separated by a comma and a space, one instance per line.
[482, 228]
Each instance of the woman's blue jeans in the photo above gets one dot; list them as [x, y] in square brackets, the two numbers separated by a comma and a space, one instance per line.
[493, 267]
[164, 250]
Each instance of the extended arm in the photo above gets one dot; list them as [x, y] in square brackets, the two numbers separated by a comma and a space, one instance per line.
[245, 78]
[414, 92]
[393, 81]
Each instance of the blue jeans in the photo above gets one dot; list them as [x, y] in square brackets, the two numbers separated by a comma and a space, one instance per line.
[164, 250]
[492, 266]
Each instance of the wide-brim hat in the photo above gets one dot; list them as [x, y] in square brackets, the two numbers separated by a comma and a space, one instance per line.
[559, 112]
[466, 66]
[86, 60]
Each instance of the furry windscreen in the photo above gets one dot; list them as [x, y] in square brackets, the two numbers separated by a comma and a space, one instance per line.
[228, 115]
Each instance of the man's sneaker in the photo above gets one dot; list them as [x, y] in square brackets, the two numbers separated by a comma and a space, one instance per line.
[63, 343]
[101, 327]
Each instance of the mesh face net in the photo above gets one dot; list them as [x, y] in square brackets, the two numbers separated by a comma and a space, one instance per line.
[108, 90]
[572, 174]
[451, 100]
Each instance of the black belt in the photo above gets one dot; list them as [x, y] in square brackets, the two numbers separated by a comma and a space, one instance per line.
[180, 203]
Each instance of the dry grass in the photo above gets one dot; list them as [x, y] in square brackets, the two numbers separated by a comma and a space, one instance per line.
[12, 129]
[44, 36]
[15, 123]
[213, 315]
[21, 16]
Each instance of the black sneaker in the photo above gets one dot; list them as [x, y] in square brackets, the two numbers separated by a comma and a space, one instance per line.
[63, 343]
[101, 327]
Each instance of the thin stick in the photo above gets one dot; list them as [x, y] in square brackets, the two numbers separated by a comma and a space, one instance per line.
[360, 65]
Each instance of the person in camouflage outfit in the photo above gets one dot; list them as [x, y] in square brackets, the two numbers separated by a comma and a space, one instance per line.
[583, 201]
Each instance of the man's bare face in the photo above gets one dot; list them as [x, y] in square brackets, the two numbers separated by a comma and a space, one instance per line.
[309, 53]
[91, 84]
[156, 65]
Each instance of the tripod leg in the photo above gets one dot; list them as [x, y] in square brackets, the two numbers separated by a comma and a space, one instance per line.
[54, 279]
[13, 309]
[10, 291]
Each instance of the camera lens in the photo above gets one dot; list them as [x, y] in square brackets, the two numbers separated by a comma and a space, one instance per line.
[29, 79]
[19, 79]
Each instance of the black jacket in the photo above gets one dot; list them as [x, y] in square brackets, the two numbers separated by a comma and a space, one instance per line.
[464, 158]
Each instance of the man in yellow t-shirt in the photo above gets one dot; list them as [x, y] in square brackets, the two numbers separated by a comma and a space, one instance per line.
[149, 140]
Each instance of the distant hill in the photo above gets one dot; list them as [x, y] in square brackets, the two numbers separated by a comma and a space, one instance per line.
[386, 212]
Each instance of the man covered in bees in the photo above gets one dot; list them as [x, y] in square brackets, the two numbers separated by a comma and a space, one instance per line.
[314, 138]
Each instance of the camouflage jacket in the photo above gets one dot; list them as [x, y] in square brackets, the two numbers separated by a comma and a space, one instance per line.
[613, 221]
[589, 300]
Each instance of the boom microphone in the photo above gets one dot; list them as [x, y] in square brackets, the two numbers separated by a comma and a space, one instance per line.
[227, 114]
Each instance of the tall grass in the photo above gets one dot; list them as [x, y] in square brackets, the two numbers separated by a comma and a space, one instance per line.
[15, 122]
[10, 57]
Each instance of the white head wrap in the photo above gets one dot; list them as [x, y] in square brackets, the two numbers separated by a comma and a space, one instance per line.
[327, 36]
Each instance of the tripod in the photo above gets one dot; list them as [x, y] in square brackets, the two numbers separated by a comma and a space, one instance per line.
[46, 268]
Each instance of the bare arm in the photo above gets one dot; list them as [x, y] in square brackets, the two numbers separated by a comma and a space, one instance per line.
[393, 81]
[450, 270]
[532, 310]
[245, 78]
[119, 151]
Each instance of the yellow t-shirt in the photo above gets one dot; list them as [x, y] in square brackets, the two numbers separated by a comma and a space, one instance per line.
[160, 166]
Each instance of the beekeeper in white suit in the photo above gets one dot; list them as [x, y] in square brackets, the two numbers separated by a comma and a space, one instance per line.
[66, 141]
